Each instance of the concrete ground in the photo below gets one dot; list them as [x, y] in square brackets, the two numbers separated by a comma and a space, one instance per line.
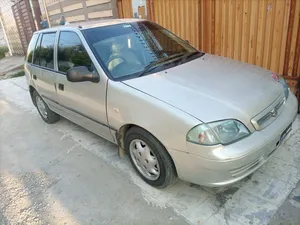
[63, 174]
[10, 65]
[289, 211]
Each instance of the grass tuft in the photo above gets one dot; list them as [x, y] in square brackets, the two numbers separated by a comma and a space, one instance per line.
[3, 49]
[18, 74]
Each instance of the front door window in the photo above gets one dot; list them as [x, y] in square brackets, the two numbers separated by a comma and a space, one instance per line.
[71, 52]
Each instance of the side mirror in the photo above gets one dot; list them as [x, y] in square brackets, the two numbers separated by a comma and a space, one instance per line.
[82, 73]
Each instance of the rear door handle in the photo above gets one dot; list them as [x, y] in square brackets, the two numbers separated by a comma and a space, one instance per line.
[61, 87]
[34, 76]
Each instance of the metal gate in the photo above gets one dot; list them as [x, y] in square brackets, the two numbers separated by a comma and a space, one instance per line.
[24, 20]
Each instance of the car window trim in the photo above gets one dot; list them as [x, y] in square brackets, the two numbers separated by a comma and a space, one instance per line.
[44, 68]
[41, 35]
[55, 46]
[44, 33]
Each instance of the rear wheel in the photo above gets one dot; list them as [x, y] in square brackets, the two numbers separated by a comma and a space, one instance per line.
[149, 158]
[47, 115]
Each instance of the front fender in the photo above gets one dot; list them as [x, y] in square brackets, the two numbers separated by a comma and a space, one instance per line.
[126, 105]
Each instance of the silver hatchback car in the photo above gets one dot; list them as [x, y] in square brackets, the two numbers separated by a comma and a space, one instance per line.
[178, 112]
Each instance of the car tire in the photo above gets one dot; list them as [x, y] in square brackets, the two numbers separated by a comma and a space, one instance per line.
[158, 155]
[47, 115]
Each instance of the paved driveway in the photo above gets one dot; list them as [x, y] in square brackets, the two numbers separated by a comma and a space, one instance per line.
[11, 63]
[63, 174]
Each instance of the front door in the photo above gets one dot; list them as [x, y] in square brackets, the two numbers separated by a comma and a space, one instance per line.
[82, 102]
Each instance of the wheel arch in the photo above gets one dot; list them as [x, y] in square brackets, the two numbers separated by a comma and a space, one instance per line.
[31, 90]
[121, 134]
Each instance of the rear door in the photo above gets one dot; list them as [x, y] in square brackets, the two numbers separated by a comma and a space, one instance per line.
[82, 102]
[42, 69]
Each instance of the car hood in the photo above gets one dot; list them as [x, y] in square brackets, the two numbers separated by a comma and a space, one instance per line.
[213, 88]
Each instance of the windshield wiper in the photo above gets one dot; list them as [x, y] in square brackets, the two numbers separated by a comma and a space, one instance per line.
[188, 55]
[157, 63]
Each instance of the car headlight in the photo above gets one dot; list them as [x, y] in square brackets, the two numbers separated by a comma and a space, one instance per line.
[220, 132]
[285, 87]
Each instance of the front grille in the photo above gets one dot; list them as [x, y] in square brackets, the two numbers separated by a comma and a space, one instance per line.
[268, 115]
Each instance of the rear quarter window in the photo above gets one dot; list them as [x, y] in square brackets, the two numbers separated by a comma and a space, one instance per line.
[30, 49]
[37, 51]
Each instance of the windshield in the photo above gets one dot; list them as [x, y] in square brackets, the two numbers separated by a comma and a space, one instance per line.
[134, 49]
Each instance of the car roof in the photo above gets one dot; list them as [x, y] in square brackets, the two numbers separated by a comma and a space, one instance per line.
[90, 24]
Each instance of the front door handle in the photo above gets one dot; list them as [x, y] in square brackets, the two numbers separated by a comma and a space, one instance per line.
[34, 76]
[61, 87]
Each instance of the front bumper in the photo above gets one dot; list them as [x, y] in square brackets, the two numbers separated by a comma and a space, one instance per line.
[224, 165]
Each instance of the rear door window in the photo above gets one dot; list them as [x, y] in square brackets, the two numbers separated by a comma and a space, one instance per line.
[71, 52]
[46, 50]
[31, 48]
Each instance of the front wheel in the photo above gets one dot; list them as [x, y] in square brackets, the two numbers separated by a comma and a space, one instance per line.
[149, 158]
[47, 115]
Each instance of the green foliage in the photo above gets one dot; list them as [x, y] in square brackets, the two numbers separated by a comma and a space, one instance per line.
[46, 54]
[75, 56]
[3, 49]
[18, 74]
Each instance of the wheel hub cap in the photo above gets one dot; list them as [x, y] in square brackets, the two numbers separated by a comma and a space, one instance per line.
[144, 159]
[41, 107]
